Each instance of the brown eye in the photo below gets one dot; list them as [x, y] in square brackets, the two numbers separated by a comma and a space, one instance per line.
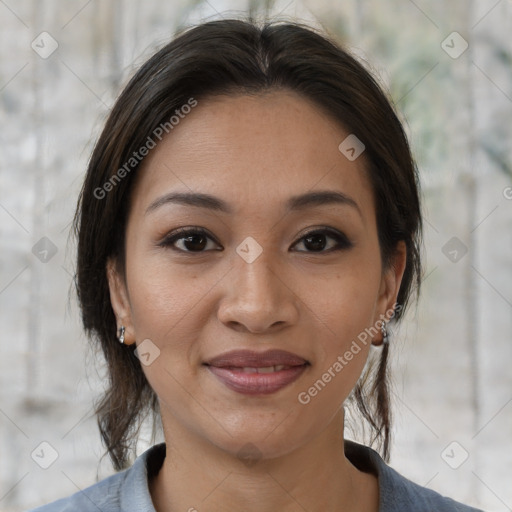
[196, 242]
[315, 242]
[318, 240]
[190, 240]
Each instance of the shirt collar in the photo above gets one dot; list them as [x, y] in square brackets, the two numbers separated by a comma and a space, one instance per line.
[135, 493]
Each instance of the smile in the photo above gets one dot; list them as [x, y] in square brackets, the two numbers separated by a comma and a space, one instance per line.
[252, 373]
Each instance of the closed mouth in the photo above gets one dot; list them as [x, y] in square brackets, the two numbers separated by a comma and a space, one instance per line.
[253, 373]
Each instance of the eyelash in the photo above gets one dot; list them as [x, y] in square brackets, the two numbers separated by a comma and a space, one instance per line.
[342, 242]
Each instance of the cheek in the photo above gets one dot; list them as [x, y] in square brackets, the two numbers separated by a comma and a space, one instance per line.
[343, 301]
[165, 310]
[161, 294]
[343, 310]
[342, 347]
[170, 306]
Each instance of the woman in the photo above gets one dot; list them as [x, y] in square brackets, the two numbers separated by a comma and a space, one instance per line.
[249, 225]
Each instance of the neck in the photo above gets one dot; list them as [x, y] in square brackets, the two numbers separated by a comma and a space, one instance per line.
[197, 475]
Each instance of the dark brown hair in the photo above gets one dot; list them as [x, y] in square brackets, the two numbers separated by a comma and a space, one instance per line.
[235, 57]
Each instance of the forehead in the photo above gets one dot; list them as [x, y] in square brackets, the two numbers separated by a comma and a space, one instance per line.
[252, 151]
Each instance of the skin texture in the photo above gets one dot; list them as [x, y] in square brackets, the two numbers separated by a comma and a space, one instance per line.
[254, 152]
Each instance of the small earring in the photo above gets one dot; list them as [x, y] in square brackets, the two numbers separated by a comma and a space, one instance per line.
[121, 336]
[385, 335]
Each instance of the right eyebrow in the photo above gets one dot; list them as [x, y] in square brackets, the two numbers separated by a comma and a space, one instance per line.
[191, 199]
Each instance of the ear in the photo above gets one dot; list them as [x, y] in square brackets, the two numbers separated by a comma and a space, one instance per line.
[390, 285]
[120, 301]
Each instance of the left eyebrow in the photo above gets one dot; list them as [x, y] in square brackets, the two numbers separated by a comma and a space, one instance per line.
[320, 198]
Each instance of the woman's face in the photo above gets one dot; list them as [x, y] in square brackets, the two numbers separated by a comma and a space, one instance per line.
[260, 265]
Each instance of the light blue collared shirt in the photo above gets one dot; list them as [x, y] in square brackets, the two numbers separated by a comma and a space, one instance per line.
[128, 490]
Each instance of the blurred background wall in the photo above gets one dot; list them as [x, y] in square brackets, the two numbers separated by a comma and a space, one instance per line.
[448, 67]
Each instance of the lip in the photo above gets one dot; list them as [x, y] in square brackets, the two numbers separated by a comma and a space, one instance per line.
[238, 370]
[252, 359]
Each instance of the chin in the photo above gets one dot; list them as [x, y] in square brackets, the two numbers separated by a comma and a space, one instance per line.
[259, 436]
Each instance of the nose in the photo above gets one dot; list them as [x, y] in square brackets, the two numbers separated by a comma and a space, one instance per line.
[258, 299]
